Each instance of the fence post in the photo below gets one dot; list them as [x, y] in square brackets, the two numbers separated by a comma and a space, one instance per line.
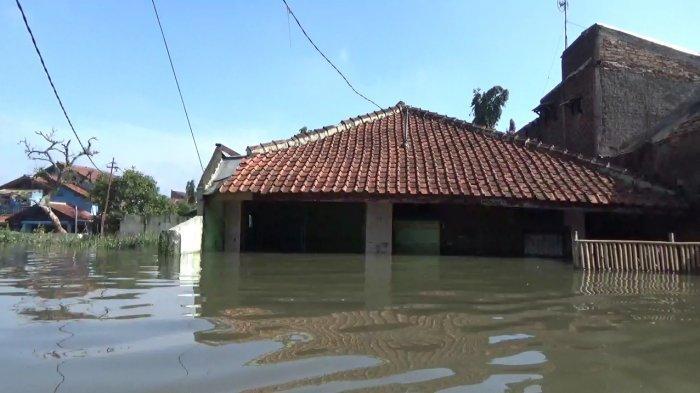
[575, 252]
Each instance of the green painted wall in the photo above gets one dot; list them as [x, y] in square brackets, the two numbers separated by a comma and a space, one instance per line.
[213, 225]
[417, 237]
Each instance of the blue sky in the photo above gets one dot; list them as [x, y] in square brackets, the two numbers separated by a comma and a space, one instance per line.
[245, 84]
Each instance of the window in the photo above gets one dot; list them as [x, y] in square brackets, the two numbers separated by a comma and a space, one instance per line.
[546, 112]
[574, 106]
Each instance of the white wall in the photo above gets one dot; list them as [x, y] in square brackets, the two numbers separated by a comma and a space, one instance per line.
[190, 233]
[133, 224]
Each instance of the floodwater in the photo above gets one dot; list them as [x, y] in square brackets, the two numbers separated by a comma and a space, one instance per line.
[123, 321]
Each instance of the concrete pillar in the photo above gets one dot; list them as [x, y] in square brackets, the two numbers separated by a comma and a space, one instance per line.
[377, 281]
[232, 226]
[575, 220]
[378, 227]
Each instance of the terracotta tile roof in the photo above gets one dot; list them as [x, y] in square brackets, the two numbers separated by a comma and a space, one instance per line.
[91, 174]
[69, 211]
[443, 157]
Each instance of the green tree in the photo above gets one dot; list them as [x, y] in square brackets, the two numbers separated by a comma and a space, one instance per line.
[132, 193]
[488, 106]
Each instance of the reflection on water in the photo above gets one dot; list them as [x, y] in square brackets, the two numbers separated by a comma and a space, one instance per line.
[127, 321]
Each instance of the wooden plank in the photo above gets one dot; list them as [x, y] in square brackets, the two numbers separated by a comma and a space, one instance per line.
[604, 255]
[636, 241]
[674, 257]
[649, 258]
[663, 255]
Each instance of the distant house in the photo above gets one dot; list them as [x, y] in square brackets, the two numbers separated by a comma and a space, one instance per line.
[177, 196]
[22, 193]
[71, 218]
[629, 99]
[407, 180]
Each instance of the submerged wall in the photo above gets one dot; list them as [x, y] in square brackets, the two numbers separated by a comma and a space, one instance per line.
[133, 224]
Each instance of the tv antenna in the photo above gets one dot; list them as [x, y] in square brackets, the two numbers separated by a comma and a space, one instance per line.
[563, 6]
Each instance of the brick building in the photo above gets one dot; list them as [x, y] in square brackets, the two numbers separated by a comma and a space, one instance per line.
[622, 97]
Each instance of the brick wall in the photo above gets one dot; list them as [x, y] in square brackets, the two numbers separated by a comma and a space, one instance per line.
[641, 82]
[626, 84]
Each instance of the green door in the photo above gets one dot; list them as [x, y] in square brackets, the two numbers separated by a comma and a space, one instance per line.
[417, 237]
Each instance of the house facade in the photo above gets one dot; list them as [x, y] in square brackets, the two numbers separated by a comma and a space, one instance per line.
[407, 180]
[73, 195]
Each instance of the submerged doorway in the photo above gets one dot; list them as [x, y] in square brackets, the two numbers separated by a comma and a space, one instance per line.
[421, 237]
[461, 229]
[313, 227]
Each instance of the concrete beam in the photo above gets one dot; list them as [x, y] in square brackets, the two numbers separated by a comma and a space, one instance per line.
[378, 227]
[232, 226]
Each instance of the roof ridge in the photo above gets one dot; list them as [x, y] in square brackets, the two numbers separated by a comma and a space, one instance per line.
[323, 132]
[606, 166]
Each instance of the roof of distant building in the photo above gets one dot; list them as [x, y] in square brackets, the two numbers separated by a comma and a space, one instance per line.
[177, 195]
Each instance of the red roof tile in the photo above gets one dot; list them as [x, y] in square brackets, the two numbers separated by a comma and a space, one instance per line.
[91, 174]
[442, 157]
[69, 211]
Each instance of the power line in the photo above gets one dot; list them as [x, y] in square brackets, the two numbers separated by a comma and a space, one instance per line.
[551, 65]
[177, 83]
[289, 10]
[576, 24]
[55, 92]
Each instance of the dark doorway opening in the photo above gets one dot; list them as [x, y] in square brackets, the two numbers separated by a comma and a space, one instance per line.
[456, 229]
[313, 227]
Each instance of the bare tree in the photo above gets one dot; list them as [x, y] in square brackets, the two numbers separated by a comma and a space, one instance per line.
[58, 153]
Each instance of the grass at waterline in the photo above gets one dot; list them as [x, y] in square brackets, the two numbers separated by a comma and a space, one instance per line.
[70, 240]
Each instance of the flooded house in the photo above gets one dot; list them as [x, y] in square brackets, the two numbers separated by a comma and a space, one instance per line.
[406, 180]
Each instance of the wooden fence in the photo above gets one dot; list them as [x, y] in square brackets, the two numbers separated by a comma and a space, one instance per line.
[636, 255]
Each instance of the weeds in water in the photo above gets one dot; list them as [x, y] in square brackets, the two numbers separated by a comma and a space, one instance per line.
[112, 242]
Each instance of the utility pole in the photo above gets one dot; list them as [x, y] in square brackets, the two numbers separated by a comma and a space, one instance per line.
[112, 166]
[563, 6]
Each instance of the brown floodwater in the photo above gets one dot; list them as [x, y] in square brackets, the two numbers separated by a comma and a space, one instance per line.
[86, 321]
